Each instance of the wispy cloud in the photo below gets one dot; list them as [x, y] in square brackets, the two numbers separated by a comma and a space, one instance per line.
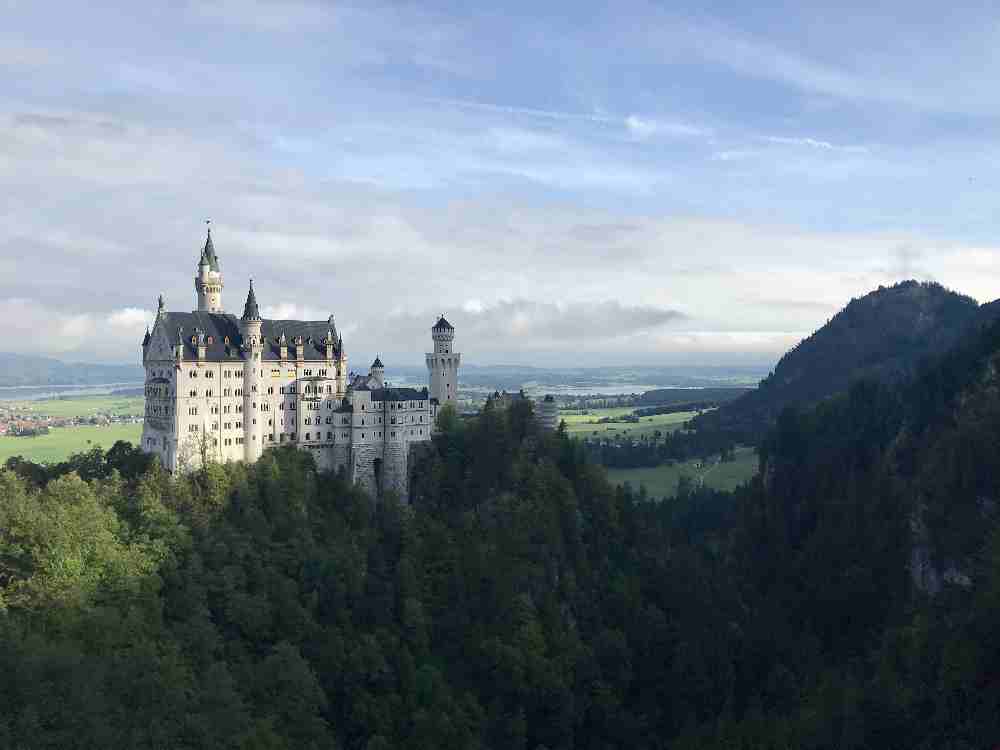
[814, 143]
[647, 127]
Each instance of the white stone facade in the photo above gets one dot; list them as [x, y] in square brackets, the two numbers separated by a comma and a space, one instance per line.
[221, 388]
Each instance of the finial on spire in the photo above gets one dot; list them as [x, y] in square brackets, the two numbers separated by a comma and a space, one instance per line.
[161, 308]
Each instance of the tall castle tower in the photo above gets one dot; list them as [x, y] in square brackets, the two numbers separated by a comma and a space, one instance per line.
[443, 362]
[251, 329]
[208, 281]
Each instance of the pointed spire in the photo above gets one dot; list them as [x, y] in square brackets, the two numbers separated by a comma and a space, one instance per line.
[145, 339]
[208, 256]
[161, 308]
[250, 311]
[377, 363]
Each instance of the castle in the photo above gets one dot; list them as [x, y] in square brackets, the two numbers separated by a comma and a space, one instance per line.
[221, 388]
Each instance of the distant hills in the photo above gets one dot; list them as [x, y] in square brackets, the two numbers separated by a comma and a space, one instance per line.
[29, 370]
[883, 336]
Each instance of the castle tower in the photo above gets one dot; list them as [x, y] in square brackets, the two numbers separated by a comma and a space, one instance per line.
[251, 327]
[377, 371]
[443, 362]
[208, 281]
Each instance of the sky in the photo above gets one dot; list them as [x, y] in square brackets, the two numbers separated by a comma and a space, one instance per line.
[569, 183]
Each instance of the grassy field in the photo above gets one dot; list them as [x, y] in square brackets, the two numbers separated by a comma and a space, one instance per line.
[61, 442]
[661, 481]
[585, 425]
[84, 406]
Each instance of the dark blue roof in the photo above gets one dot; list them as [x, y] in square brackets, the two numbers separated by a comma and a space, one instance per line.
[220, 327]
[399, 394]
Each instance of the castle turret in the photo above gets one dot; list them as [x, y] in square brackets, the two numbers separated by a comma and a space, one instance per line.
[377, 371]
[341, 366]
[208, 281]
[443, 362]
[251, 327]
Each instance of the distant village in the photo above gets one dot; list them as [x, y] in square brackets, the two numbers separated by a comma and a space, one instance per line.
[28, 420]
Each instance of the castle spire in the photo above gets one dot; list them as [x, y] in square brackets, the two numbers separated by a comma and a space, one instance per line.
[208, 279]
[250, 310]
[208, 256]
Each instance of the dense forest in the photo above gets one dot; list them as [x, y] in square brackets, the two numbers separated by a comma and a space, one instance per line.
[519, 600]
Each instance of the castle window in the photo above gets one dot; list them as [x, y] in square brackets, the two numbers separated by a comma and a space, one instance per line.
[211, 340]
[308, 436]
[329, 436]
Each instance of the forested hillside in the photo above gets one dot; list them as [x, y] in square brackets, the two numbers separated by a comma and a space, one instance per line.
[29, 369]
[883, 336]
[521, 602]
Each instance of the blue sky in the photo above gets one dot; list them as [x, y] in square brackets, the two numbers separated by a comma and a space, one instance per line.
[571, 183]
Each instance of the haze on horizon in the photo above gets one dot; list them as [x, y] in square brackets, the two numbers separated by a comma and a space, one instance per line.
[570, 185]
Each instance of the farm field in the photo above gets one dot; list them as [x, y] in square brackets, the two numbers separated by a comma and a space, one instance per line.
[61, 442]
[661, 481]
[579, 424]
[84, 406]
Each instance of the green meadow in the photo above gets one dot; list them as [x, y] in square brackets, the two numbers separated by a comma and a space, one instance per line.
[579, 424]
[82, 406]
[661, 481]
[62, 442]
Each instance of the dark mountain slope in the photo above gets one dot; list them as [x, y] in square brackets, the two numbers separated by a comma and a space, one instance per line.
[882, 336]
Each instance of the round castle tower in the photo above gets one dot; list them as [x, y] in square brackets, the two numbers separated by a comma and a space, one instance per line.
[443, 362]
[208, 281]
[251, 327]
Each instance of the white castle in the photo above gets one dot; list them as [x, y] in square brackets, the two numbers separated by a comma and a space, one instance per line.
[222, 388]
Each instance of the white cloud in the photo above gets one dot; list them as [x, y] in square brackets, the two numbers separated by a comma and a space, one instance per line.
[645, 127]
[814, 143]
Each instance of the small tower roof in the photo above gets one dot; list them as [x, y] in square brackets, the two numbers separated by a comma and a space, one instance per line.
[208, 256]
[443, 324]
[250, 309]
[145, 339]
[378, 363]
